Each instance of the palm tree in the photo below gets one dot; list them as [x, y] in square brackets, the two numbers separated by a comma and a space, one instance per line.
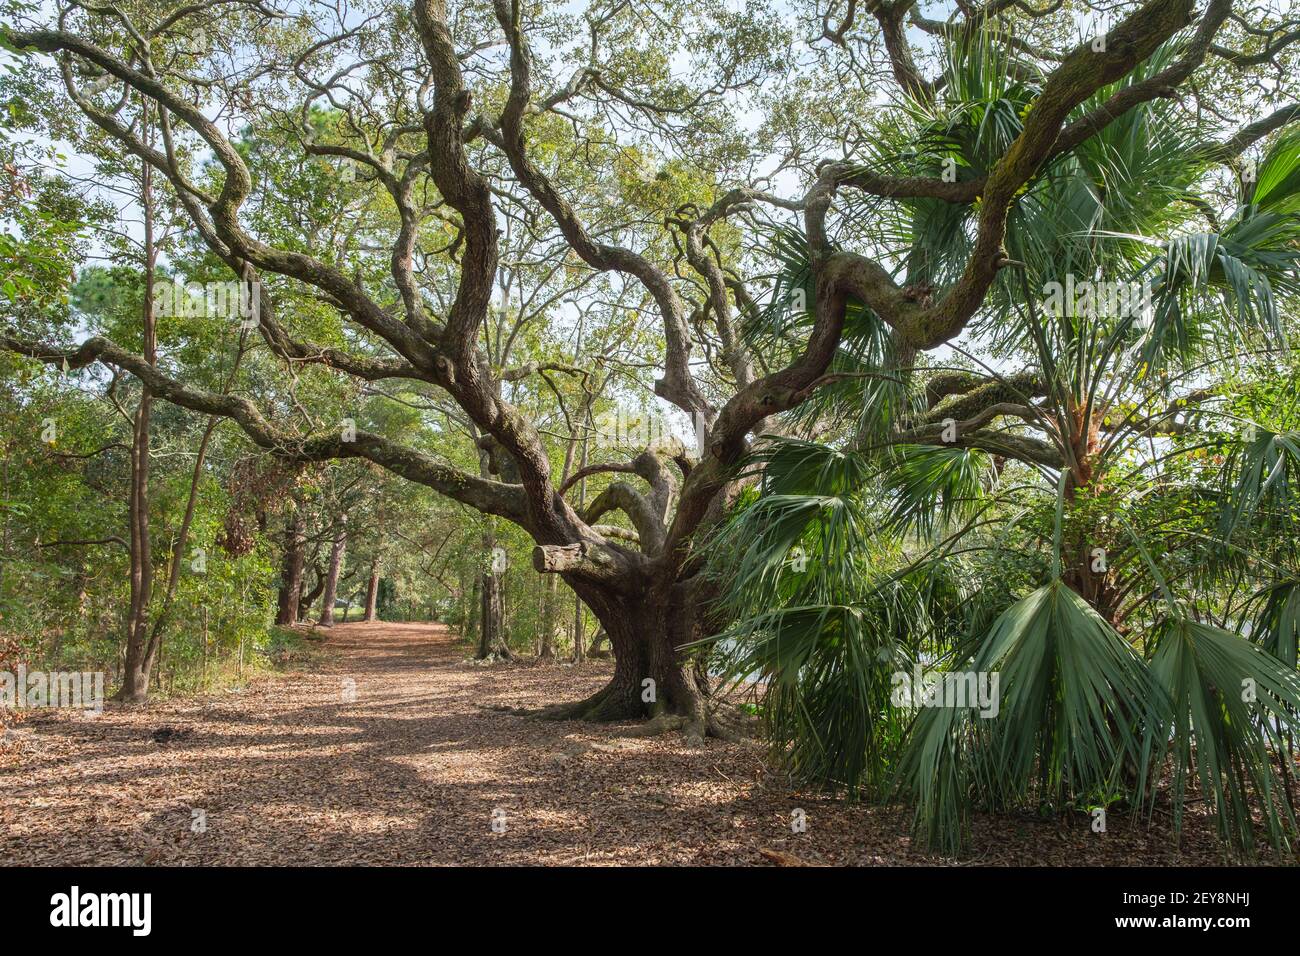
[1095, 500]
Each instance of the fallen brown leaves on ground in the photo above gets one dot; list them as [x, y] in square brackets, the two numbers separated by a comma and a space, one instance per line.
[388, 752]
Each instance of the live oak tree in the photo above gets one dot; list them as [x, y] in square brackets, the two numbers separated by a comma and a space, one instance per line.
[457, 118]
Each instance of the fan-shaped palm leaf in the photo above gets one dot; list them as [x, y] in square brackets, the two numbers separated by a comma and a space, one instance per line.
[1231, 707]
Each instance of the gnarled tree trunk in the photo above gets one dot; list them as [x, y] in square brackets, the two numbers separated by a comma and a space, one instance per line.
[649, 623]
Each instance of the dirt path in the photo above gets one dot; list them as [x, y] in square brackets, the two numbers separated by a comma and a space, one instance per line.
[410, 771]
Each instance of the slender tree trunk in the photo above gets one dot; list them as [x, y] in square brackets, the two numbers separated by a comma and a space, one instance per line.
[4, 521]
[139, 659]
[550, 599]
[332, 579]
[473, 613]
[187, 520]
[579, 612]
[492, 638]
[291, 571]
[492, 641]
[309, 596]
[372, 591]
[579, 630]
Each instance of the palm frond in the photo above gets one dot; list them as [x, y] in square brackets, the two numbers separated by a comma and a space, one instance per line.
[1072, 695]
[935, 485]
[1231, 708]
[1276, 624]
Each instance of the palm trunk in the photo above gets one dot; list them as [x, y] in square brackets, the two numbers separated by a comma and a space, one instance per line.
[1084, 559]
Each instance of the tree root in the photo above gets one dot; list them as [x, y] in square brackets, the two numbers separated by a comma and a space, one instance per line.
[496, 657]
[781, 858]
[659, 724]
[601, 707]
[693, 728]
[721, 731]
[722, 722]
[731, 724]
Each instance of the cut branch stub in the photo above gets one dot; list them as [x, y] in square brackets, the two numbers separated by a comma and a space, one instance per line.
[588, 558]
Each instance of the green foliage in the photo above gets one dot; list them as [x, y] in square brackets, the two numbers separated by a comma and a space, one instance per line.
[1117, 544]
[1072, 693]
[1231, 726]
